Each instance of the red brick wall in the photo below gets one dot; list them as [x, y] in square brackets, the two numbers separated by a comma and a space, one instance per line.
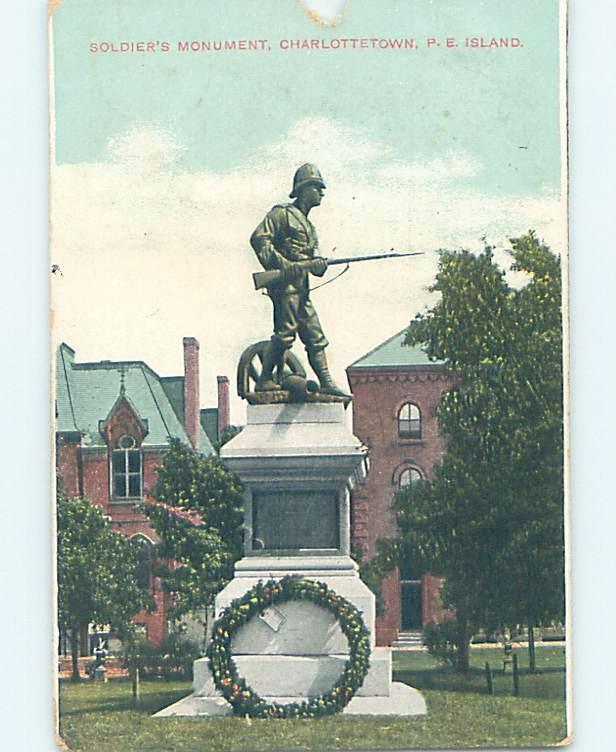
[156, 621]
[378, 395]
[96, 477]
[67, 464]
[388, 623]
[151, 460]
[124, 517]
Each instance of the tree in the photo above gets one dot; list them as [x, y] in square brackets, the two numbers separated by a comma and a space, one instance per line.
[490, 520]
[97, 579]
[228, 433]
[198, 518]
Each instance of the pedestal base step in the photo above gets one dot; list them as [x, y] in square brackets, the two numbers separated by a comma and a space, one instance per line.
[296, 676]
[195, 705]
[402, 700]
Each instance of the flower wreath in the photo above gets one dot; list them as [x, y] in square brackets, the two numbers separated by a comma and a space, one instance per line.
[245, 701]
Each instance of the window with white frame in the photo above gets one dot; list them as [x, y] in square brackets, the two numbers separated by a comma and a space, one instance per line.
[409, 421]
[126, 469]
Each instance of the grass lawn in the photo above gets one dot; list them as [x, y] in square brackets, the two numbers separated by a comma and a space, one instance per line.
[101, 718]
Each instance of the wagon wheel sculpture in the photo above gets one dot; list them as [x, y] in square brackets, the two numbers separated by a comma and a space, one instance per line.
[250, 367]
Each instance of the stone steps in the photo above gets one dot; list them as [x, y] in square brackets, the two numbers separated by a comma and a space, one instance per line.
[408, 640]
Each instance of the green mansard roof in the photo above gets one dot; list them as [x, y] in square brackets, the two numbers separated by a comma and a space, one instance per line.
[86, 393]
[393, 353]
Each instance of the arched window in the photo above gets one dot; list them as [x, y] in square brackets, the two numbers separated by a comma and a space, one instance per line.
[409, 421]
[143, 571]
[407, 476]
[126, 469]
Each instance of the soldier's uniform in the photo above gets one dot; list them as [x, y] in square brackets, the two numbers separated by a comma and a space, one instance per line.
[293, 310]
[284, 239]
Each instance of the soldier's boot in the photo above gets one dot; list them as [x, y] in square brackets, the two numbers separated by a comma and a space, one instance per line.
[272, 356]
[318, 363]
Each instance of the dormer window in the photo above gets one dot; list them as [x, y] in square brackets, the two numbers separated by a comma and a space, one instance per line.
[409, 421]
[127, 469]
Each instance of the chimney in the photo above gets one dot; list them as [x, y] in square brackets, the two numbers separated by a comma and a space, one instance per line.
[192, 411]
[223, 404]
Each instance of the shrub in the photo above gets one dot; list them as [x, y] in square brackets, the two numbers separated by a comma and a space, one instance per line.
[179, 655]
[440, 640]
[172, 659]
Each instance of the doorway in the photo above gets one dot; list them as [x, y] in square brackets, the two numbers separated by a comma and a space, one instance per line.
[410, 598]
[410, 605]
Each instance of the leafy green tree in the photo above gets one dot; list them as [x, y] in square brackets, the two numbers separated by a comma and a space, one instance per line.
[97, 579]
[228, 433]
[490, 520]
[198, 518]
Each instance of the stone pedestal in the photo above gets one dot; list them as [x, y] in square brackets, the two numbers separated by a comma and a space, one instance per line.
[298, 463]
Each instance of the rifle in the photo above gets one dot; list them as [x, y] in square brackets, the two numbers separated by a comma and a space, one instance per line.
[264, 279]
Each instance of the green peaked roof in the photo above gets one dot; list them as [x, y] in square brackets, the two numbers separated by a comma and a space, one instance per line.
[174, 389]
[86, 392]
[209, 423]
[393, 353]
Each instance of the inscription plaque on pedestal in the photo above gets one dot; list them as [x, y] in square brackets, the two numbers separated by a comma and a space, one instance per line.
[293, 520]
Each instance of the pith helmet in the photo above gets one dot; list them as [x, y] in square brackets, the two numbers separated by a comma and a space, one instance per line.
[307, 173]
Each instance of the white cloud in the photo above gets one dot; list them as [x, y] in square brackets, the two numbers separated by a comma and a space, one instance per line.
[452, 167]
[328, 143]
[150, 253]
[144, 149]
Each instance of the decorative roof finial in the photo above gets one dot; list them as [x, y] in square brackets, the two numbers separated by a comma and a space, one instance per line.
[122, 383]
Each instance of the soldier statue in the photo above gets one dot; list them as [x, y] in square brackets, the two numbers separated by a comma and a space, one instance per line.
[286, 240]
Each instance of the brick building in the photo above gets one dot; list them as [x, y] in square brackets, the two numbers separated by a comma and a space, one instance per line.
[396, 391]
[113, 425]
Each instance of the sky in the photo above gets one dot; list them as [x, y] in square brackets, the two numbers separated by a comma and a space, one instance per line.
[163, 164]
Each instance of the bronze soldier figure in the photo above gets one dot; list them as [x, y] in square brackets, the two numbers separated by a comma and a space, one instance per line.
[286, 240]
